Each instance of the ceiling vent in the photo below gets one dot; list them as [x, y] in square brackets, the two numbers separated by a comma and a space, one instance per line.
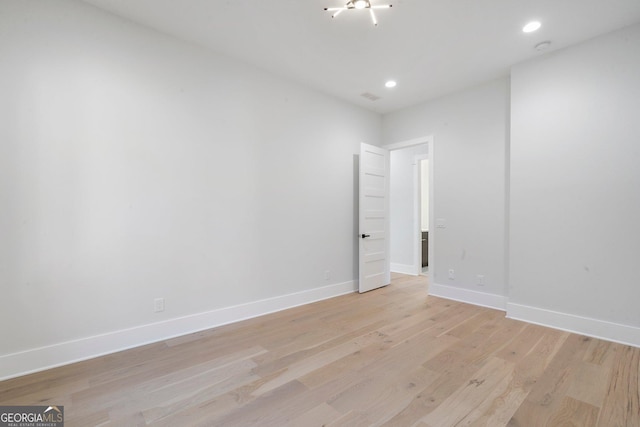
[370, 96]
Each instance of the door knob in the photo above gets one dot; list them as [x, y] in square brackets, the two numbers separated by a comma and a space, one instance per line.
[366, 235]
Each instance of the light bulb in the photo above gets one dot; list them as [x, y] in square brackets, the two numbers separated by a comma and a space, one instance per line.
[360, 4]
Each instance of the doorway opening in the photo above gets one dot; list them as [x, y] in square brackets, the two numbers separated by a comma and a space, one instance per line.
[412, 206]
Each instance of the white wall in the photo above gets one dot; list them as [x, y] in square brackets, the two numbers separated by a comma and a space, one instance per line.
[470, 131]
[575, 188]
[402, 221]
[136, 166]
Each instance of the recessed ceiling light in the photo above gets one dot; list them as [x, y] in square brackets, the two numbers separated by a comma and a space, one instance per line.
[390, 84]
[531, 27]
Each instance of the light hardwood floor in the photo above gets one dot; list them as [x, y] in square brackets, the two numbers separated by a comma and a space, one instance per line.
[392, 357]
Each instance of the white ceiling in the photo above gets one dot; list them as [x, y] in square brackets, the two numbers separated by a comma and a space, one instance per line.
[431, 47]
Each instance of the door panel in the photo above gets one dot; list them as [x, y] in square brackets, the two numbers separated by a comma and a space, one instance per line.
[374, 263]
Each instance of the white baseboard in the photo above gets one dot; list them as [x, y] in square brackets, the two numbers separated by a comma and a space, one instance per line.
[623, 334]
[404, 269]
[483, 299]
[39, 359]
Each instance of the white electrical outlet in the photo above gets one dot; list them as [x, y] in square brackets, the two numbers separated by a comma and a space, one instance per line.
[452, 274]
[480, 279]
[327, 275]
[158, 305]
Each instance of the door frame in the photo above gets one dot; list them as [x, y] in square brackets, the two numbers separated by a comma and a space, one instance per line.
[430, 141]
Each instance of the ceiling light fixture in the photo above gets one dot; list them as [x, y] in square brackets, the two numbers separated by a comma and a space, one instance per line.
[390, 84]
[358, 4]
[531, 27]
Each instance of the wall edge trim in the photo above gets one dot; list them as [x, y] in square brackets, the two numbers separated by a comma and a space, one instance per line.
[596, 328]
[60, 354]
[483, 299]
[404, 269]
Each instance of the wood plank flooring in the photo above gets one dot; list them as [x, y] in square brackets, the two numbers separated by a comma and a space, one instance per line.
[390, 357]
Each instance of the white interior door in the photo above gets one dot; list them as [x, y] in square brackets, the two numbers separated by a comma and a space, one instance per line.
[374, 271]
